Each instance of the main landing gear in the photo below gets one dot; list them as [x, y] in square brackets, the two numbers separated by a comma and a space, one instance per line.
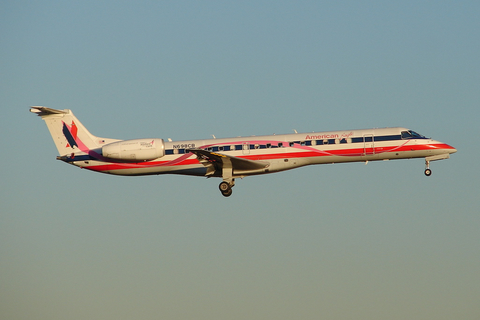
[226, 187]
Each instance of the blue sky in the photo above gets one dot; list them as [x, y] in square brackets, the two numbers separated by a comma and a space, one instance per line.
[345, 241]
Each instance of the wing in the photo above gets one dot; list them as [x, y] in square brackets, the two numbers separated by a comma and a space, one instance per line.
[221, 164]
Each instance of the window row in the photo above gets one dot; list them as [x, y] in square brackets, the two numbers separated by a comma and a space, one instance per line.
[245, 146]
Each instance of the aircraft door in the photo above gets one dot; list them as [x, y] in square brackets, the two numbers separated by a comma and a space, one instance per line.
[368, 145]
[246, 148]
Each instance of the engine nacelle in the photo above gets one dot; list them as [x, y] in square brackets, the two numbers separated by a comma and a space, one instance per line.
[135, 149]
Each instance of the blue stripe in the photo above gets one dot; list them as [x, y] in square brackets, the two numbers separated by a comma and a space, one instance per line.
[78, 158]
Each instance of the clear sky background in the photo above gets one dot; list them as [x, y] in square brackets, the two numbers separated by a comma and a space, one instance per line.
[343, 241]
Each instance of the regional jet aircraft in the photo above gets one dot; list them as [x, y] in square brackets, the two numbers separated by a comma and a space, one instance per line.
[232, 158]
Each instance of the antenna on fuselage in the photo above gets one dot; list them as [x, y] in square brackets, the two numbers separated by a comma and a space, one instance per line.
[295, 131]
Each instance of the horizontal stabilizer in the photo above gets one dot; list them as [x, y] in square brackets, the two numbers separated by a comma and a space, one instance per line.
[43, 111]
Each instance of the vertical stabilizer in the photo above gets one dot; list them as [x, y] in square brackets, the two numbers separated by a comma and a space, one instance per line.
[69, 134]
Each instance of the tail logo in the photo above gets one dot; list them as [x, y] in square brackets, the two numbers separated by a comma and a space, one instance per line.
[70, 133]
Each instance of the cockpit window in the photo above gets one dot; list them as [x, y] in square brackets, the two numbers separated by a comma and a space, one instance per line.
[410, 134]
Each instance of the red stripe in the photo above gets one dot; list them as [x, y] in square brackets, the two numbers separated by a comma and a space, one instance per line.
[300, 154]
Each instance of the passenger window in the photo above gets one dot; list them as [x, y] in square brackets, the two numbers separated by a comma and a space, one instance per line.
[302, 143]
[269, 145]
[257, 146]
[280, 144]
[291, 144]
[220, 148]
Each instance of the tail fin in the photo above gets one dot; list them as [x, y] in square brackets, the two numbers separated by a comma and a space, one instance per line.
[69, 135]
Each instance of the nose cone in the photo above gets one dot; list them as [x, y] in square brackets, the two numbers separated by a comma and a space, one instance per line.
[442, 147]
[451, 149]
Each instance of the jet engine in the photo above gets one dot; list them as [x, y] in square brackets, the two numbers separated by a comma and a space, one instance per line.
[135, 150]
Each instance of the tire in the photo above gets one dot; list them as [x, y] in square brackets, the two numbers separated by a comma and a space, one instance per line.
[224, 186]
[428, 172]
[227, 193]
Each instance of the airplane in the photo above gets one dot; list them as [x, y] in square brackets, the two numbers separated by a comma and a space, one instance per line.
[232, 158]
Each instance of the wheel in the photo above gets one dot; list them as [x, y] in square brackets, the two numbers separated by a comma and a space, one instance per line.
[227, 193]
[224, 186]
[428, 172]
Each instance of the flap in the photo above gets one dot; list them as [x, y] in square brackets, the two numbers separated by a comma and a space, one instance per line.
[220, 159]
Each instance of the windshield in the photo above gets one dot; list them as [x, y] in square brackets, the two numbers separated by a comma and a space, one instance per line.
[410, 134]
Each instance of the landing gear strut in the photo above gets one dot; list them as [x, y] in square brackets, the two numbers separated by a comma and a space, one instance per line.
[226, 187]
[428, 172]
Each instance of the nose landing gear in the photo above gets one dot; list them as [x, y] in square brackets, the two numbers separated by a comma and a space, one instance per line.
[428, 172]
